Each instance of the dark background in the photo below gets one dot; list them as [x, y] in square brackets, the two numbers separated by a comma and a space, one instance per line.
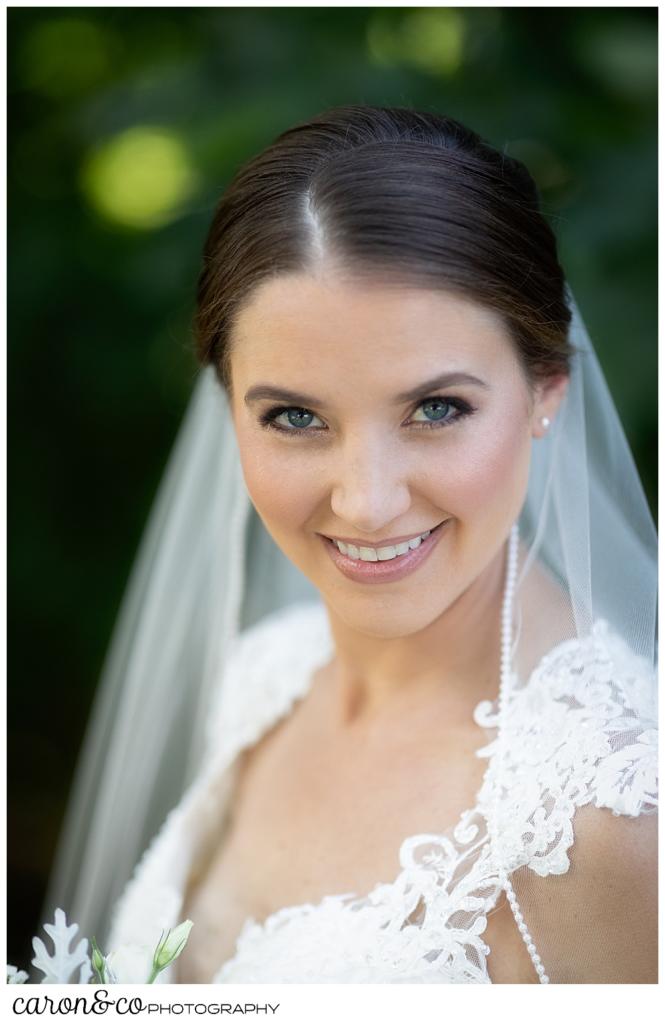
[125, 125]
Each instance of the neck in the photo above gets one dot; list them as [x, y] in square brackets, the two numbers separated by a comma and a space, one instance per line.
[455, 660]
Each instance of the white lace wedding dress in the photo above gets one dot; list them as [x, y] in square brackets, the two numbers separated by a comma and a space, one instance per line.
[581, 730]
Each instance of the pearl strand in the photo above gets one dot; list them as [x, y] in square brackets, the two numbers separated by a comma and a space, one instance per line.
[506, 644]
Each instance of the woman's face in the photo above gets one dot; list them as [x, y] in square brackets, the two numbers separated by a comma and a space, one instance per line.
[344, 432]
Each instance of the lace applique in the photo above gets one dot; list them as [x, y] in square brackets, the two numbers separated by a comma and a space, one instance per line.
[426, 926]
[581, 730]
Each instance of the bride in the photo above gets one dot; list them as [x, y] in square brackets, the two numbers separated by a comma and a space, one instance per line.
[388, 653]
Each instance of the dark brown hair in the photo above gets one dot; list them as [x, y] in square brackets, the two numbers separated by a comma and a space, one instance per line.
[396, 193]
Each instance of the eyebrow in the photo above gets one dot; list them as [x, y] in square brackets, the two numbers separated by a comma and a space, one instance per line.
[444, 380]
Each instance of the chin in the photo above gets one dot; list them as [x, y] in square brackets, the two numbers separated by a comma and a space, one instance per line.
[385, 618]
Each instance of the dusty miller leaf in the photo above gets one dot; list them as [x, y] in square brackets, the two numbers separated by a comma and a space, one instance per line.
[59, 966]
[14, 976]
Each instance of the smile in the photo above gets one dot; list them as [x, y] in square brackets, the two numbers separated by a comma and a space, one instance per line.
[385, 554]
[364, 564]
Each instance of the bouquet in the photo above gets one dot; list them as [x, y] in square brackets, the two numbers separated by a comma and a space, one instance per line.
[126, 965]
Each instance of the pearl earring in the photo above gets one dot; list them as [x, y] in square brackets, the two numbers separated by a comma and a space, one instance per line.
[545, 422]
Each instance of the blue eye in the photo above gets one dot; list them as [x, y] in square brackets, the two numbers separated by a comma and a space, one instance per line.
[299, 421]
[437, 407]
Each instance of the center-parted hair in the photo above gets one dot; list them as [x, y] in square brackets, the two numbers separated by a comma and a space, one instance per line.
[393, 194]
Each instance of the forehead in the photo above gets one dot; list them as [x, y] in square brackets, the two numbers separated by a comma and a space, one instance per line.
[326, 324]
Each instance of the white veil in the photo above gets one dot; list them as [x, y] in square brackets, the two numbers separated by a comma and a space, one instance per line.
[207, 568]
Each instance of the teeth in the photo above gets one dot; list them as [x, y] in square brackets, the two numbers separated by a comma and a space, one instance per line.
[364, 554]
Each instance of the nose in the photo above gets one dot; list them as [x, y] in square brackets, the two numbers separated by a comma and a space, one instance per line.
[370, 486]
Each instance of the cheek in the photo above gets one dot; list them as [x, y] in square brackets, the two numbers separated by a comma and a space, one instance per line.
[283, 489]
[488, 479]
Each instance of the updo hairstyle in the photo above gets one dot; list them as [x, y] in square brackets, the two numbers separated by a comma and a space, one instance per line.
[388, 194]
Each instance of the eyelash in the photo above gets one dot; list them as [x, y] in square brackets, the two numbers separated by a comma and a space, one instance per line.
[267, 419]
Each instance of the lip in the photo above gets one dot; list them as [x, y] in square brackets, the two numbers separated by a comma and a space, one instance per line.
[384, 572]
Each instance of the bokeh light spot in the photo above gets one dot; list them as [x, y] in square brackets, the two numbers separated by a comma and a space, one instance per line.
[431, 39]
[140, 178]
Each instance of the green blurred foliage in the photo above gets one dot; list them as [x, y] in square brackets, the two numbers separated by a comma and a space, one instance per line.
[125, 126]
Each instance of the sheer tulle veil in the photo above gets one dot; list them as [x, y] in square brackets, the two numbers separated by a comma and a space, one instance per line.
[207, 568]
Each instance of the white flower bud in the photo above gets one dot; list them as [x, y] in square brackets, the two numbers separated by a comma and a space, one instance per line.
[171, 945]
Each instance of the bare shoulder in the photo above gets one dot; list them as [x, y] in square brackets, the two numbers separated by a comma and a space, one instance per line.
[598, 922]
